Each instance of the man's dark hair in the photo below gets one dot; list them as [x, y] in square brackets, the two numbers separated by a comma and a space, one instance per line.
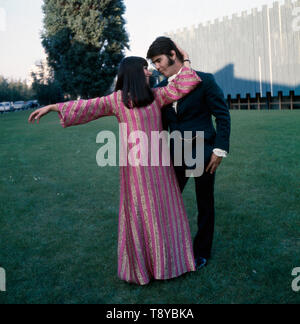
[136, 92]
[163, 46]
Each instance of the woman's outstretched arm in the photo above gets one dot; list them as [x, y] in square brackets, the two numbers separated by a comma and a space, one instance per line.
[80, 112]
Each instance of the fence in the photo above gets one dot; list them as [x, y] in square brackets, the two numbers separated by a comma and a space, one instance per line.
[279, 102]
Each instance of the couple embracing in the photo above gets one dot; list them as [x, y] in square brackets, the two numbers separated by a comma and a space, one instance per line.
[154, 234]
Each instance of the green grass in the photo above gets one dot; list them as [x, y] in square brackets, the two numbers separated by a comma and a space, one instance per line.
[59, 216]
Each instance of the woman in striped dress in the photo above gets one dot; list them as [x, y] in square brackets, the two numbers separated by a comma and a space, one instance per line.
[154, 235]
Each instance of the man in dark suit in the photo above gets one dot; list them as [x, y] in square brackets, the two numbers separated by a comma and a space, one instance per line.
[194, 113]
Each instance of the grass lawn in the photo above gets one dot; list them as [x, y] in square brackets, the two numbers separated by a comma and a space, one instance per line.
[59, 216]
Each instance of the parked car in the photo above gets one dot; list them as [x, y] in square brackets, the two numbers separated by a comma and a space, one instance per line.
[32, 104]
[36, 104]
[19, 104]
[7, 106]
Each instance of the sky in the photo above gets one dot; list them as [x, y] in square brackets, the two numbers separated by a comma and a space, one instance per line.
[21, 23]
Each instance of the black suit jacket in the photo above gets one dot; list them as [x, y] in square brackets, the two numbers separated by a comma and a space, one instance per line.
[195, 112]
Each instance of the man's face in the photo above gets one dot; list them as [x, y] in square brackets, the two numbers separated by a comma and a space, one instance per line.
[165, 65]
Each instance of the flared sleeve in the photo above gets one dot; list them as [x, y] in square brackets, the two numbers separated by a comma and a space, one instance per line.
[186, 81]
[80, 112]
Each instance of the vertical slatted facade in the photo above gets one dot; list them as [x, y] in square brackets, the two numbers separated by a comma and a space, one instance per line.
[252, 53]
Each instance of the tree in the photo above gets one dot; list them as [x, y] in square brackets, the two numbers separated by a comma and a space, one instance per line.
[14, 90]
[46, 89]
[85, 42]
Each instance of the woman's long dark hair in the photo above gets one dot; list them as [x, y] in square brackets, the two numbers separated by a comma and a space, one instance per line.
[132, 81]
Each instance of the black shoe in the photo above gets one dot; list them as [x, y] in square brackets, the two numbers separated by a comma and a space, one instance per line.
[200, 263]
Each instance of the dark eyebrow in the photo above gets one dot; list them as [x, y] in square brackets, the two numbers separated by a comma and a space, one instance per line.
[156, 60]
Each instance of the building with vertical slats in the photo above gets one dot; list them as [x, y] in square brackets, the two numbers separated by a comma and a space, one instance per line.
[255, 53]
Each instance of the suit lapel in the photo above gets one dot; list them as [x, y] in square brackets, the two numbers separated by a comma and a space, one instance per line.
[180, 107]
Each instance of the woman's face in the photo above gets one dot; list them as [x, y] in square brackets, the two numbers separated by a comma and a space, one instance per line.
[147, 74]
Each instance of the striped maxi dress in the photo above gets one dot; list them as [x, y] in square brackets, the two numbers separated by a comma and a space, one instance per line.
[154, 240]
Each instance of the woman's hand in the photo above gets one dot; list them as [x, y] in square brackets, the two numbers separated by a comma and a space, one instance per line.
[184, 53]
[186, 57]
[39, 113]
